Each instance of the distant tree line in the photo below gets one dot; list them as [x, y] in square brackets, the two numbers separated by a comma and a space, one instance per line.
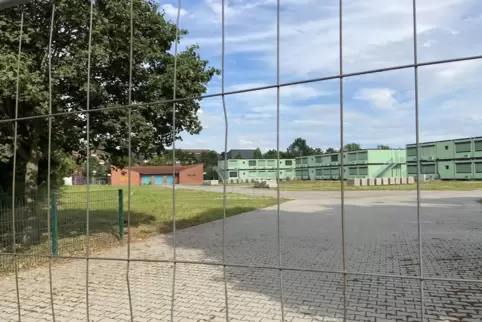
[300, 148]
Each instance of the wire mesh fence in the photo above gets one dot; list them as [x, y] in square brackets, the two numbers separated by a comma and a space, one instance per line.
[73, 225]
[66, 213]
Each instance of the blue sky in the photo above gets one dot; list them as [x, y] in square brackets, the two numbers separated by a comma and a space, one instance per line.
[378, 108]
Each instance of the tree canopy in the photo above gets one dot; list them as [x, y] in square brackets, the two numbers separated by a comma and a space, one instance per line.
[352, 147]
[152, 75]
[257, 154]
[299, 148]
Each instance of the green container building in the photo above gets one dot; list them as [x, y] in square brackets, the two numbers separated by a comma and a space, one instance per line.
[457, 159]
[239, 171]
[370, 163]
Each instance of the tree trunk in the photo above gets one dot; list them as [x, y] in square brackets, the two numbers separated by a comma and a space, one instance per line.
[31, 175]
[32, 208]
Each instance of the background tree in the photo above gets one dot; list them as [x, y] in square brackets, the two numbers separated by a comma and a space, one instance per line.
[331, 150]
[182, 157]
[238, 156]
[383, 147]
[317, 151]
[271, 154]
[185, 157]
[209, 160]
[257, 154]
[299, 148]
[97, 167]
[352, 147]
[152, 81]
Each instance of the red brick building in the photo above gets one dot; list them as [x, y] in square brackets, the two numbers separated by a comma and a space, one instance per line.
[158, 175]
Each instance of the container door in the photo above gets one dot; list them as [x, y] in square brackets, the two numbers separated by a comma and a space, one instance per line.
[169, 180]
[158, 179]
[146, 179]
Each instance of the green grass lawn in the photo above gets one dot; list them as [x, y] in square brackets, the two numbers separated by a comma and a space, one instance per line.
[151, 207]
[323, 185]
[150, 213]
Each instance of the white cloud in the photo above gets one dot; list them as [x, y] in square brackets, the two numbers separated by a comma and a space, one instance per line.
[382, 98]
[172, 11]
[258, 116]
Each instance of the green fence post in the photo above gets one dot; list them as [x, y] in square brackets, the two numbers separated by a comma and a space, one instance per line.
[121, 214]
[54, 225]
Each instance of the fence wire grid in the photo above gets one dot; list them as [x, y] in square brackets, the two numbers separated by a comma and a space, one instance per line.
[90, 205]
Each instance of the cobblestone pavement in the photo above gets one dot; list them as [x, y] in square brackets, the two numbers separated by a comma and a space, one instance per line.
[381, 238]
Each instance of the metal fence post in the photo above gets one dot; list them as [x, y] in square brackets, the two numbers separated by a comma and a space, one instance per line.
[121, 214]
[54, 226]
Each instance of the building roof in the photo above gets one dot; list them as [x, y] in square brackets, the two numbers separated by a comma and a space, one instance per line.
[448, 140]
[161, 169]
[190, 150]
[245, 153]
[195, 150]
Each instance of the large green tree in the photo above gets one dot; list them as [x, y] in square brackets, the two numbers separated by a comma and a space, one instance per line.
[152, 75]
[209, 160]
[352, 147]
[257, 154]
[183, 157]
[271, 154]
[299, 148]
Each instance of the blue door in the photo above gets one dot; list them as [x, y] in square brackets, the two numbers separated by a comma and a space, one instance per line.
[169, 180]
[158, 179]
[146, 180]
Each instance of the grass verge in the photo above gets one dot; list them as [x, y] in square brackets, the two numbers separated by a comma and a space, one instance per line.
[335, 186]
[150, 214]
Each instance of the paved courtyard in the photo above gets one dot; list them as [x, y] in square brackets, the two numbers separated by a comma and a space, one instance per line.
[381, 238]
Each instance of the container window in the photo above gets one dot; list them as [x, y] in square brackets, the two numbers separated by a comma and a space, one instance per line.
[478, 145]
[412, 169]
[478, 167]
[428, 169]
[462, 147]
[463, 168]
[428, 150]
[362, 156]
